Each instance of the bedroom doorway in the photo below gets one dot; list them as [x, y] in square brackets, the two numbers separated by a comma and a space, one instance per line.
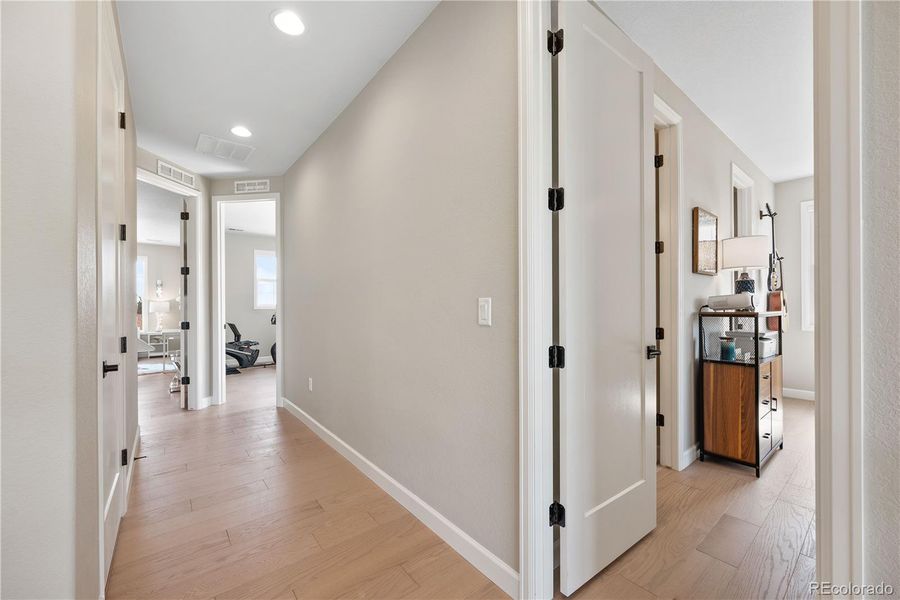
[247, 268]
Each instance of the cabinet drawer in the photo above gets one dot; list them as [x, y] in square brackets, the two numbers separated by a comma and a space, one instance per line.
[765, 381]
[765, 435]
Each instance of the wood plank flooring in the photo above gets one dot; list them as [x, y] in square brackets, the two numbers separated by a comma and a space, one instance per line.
[244, 501]
[723, 534]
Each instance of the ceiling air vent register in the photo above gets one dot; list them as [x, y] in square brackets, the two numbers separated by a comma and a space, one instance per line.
[251, 186]
[174, 173]
[207, 144]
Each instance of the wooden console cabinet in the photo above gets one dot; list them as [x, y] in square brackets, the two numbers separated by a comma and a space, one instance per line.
[743, 417]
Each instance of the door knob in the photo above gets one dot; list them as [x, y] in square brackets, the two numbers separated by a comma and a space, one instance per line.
[109, 369]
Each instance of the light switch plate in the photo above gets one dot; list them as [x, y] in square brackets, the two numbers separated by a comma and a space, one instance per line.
[484, 312]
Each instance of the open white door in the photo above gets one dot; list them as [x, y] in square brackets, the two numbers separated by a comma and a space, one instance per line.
[111, 191]
[606, 293]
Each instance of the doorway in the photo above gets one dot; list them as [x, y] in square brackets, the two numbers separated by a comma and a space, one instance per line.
[247, 307]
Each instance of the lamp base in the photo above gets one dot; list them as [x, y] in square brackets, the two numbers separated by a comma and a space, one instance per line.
[744, 284]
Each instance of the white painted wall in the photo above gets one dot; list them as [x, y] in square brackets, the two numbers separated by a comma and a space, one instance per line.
[706, 172]
[163, 263]
[799, 346]
[397, 220]
[253, 324]
[49, 473]
[880, 108]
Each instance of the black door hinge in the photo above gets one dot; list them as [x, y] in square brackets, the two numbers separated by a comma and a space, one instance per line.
[557, 515]
[124, 457]
[123, 344]
[185, 270]
[660, 333]
[185, 216]
[122, 231]
[185, 325]
[659, 248]
[660, 420]
[658, 161]
[185, 381]
[121, 120]
[554, 42]
[556, 198]
[557, 357]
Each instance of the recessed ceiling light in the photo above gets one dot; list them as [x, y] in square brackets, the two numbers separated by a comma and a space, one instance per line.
[241, 131]
[288, 22]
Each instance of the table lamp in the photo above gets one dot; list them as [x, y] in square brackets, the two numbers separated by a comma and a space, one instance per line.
[743, 254]
[160, 307]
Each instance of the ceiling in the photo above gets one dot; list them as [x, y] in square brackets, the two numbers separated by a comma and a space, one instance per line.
[158, 215]
[250, 217]
[204, 67]
[747, 65]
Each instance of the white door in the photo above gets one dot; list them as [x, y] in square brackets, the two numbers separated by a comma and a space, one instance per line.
[606, 293]
[111, 195]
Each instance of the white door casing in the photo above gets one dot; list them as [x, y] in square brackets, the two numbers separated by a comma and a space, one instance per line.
[606, 293]
[111, 194]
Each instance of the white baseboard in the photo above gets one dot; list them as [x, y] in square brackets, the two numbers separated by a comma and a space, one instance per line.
[799, 394]
[688, 456]
[480, 557]
[205, 403]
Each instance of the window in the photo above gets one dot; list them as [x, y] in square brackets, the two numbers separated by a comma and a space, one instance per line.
[807, 266]
[265, 279]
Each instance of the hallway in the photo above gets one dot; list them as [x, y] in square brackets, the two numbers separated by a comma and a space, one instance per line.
[244, 501]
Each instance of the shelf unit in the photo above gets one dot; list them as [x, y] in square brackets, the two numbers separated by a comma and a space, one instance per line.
[741, 399]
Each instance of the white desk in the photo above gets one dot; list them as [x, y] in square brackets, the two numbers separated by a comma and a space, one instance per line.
[159, 341]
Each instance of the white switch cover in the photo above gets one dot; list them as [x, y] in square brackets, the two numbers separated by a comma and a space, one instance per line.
[484, 312]
[310, 384]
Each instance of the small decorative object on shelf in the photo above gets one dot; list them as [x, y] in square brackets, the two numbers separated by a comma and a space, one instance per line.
[741, 385]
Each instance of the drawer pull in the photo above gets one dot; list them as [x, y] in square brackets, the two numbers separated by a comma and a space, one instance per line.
[766, 435]
[765, 376]
[774, 404]
[765, 402]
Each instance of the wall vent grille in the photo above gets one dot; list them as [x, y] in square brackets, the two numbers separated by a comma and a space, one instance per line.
[174, 173]
[207, 144]
[251, 186]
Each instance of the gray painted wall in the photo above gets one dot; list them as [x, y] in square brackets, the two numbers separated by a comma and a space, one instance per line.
[707, 154]
[253, 324]
[799, 346]
[397, 219]
[881, 302]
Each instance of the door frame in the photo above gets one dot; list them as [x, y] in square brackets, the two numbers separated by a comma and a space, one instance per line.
[672, 361]
[195, 312]
[837, 36]
[218, 292]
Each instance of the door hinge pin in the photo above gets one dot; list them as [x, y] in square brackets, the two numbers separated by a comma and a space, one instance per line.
[557, 515]
[185, 270]
[122, 232]
[124, 457]
[121, 120]
[554, 42]
[557, 357]
[123, 344]
[185, 325]
[658, 161]
[660, 420]
[660, 333]
[659, 247]
[556, 198]
[185, 216]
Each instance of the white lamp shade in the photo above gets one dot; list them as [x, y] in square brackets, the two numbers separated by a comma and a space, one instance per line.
[747, 252]
[160, 306]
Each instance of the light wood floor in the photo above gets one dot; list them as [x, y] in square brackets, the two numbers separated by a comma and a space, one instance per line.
[244, 501]
[723, 534]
